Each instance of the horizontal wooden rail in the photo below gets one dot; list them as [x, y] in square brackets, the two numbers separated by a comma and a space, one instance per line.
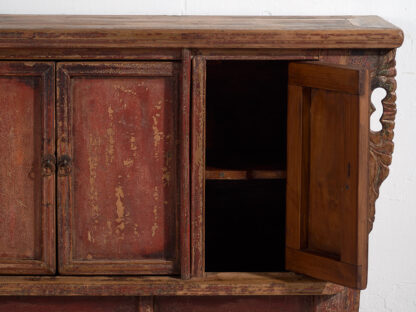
[250, 174]
[218, 284]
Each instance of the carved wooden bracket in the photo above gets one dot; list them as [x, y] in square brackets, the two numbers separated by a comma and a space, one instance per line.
[381, 142]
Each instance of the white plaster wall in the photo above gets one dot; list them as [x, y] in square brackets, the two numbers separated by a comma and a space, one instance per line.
[392, 255]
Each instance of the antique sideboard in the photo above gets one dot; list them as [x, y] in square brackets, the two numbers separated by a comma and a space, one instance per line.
[190, 163]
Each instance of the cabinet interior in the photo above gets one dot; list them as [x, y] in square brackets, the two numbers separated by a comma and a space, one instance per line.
[246, 113]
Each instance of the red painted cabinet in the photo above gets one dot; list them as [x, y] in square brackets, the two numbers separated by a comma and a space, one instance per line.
[117, 168]
[190, 163]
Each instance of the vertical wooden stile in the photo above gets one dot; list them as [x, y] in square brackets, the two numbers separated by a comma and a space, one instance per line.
[184, 121]
[198, 166]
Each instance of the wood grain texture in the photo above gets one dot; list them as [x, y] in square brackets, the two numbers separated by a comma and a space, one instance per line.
[334, 78]
[118, 203]
[66, 31]
[218, 284]
[184, 179]
[324, 267]
[198, 166]
[27, 168]
[116, 53]
[257, 54]
[326, 230]
[381, 65]
[347, 301]
[86, 53]
[327, 194]
[68, 304]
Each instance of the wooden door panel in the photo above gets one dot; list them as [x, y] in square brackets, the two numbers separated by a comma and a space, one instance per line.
[119, 203]
[27, 161]
[327, 192]
[327, 183]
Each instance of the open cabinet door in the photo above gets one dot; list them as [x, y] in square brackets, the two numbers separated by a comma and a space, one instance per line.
[327, 173]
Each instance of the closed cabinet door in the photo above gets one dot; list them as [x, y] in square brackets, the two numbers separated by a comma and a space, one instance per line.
[118, 162]
[27, 168]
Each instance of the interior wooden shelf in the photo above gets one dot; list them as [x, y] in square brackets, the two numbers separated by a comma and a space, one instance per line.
[219, 284]
[248, 174]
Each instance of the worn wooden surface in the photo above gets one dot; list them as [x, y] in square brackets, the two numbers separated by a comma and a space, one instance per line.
[198, 166]
[27, 168]
[67, 304]
[257, 54]
[118, 202]
[184, 178]
[346, 301]
[86, 53]
[220, 284]
[116, 53]
[66, 31]
[234, 304]
[381, 65]
[328, 238]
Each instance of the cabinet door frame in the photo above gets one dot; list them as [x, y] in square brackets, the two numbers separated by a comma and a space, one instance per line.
[65, 72]
[350, 87]
[46, 264]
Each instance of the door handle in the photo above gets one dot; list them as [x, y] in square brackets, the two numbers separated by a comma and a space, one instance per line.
[48, 165]
[64, 165]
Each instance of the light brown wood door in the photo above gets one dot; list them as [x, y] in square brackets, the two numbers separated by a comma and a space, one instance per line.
[118, 167]
[327, 173]
[27, 168]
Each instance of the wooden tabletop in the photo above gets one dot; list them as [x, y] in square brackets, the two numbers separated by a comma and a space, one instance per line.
[63, 31]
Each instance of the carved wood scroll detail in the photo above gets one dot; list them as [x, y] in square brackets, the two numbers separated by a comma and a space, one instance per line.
[381, 142]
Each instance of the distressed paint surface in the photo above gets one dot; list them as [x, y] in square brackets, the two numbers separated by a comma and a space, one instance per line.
[198, 166]
[124, 168]
[118, 203]
[184, 176]
[26, 185]
[20, 175]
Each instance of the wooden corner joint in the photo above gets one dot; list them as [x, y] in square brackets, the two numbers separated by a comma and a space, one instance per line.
[381, 142]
